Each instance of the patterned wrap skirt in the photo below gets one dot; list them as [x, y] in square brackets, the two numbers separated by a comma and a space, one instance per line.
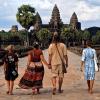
[32, 77]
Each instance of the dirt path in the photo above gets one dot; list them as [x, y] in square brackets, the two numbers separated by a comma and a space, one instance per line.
[74, 85]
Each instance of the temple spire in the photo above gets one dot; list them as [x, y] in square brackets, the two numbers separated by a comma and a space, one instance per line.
[38, 23]
[74, 22]
[55, 21]
[74, 18]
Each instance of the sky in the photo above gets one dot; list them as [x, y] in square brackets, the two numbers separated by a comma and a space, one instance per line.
[88, 11]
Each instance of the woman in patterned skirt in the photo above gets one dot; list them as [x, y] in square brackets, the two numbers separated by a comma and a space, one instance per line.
[33, 76]
[88, 56]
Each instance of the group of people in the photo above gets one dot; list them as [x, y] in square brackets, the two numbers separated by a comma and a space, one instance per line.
[57, 62]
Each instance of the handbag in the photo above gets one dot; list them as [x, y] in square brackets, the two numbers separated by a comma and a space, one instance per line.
[15, 74]
[63, 64]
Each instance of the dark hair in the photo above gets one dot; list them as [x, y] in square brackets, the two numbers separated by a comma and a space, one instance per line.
[55, 38]
[36, 45]
[89, 43]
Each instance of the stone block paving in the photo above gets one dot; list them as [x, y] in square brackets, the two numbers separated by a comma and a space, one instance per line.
[74, 85]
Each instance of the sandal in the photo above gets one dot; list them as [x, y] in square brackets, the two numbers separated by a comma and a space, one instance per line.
[38, 92]
[54, 91]
[7, 92]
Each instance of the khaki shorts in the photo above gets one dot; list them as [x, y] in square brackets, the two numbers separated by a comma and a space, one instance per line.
[57, 71]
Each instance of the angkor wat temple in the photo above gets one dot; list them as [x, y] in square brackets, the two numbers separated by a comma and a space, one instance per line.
[55, 23]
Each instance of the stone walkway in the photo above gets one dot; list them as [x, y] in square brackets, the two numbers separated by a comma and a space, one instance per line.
[74, 86]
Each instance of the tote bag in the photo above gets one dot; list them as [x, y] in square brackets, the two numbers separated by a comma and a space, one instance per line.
[96, 66]
[95, 61]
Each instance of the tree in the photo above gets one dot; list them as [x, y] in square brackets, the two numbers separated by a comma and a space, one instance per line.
[65, 35]
[86, 35]
[96, 38]
[26, 17]
[22, 36]
[44, 36]
[78, 37]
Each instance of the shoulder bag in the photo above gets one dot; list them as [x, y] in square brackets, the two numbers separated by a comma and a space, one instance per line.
[63, 64]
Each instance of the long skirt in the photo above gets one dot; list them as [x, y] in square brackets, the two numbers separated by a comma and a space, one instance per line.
[32, 78]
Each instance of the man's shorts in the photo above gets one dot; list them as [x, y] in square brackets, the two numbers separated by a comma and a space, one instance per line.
[57, 71]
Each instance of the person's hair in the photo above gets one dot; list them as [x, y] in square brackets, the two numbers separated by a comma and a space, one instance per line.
[36, 45]
[89, 43]
[10, 47]
[55, 38]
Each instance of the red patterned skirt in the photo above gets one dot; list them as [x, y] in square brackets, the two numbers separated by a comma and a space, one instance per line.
[32, 78]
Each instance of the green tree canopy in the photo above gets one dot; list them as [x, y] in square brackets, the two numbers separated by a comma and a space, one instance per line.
[26, 16]
[96, 38]
[86, 35]
[44, 36]
[65, 34]
[22, 35]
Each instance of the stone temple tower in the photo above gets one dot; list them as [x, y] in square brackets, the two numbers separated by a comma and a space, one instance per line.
[14, 28]
[74, 22]
[38, 23]
[55, 23]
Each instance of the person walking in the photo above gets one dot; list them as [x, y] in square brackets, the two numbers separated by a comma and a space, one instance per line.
[57, 60]
[10, 68]
[88, 56]
[33, 77]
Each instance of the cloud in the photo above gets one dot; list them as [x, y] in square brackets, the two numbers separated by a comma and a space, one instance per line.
[86, 10]
[92, 2]
[83, 9]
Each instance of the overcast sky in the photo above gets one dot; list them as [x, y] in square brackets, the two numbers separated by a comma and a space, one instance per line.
[88, 11]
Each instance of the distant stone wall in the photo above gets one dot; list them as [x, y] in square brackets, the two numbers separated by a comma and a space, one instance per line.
[78, 51]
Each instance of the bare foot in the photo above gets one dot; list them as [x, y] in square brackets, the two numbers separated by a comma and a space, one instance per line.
[33, 91]
[10, 93]
[88, 89]
[60, 91]
[91, 92]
